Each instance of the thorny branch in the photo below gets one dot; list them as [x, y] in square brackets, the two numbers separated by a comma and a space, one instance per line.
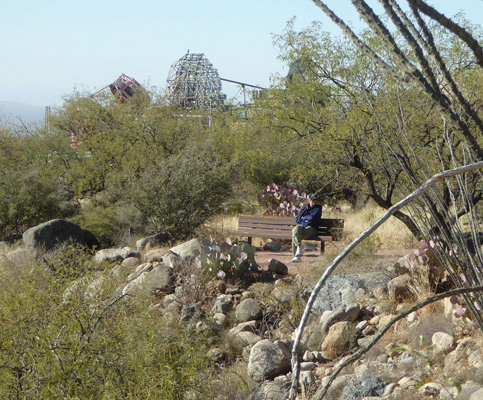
[408, 199]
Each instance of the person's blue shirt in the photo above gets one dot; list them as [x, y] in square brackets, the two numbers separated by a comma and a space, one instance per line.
[309, 216]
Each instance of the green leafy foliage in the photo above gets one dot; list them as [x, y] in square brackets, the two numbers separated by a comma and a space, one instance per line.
[92, 343]
[33, 189]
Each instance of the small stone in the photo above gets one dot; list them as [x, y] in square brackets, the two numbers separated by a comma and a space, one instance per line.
[430, 389]
[412, 317]
[361, 326]
[407, 381]
[443, 341]
[307, 366]
[308, 356]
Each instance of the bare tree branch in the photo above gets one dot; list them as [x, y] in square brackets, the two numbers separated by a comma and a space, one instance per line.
[462, 33]
[408, 199]
[363, 350]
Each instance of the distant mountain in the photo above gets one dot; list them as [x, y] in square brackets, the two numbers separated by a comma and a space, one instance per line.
[11, 111]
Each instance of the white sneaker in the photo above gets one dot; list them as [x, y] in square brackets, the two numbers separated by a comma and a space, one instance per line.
[299, 252]
[296, 259]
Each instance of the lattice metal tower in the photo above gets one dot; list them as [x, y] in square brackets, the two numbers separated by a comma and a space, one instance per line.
[193, 82]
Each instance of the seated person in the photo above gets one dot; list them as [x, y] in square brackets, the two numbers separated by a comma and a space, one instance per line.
[308, 221]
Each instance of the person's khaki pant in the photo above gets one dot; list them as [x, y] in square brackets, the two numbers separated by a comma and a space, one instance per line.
[299, 233]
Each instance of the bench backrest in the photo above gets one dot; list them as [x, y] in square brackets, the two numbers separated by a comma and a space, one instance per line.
[328, 226]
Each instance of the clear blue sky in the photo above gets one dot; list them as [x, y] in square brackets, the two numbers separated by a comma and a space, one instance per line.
[51, 47]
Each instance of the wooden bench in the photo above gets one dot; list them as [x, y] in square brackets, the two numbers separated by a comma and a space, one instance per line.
[271, 227]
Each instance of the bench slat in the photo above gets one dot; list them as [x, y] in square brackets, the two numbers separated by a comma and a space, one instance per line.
[290, 221]
[261, 233]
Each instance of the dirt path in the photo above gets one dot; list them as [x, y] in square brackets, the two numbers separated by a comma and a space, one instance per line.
[314, 259]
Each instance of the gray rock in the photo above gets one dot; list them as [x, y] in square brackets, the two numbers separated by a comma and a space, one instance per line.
[152, 241]
[216, 355]
[283, 294]
[272, 246]
[271, 391]
[277, 267]
[186, 249]
[268, 359]
[341, 289]
[114, 254]
[448, 393]
[468, 389]
[478, 377]
[160, 278]
[478, 395]
[249, 326]
[220, 319]
[340, 339]
[49, 235]
[443, 341]
[139, 270]
[192, 313]
[398, 288]
[364, 386]
[248, 310]
[338, 290]
[342, 313]
[244, 339]
[223, 304]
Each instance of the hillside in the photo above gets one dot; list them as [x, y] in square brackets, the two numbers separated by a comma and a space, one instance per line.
[12, 112]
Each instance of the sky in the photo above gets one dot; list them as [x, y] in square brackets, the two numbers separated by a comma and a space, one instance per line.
[51, 48]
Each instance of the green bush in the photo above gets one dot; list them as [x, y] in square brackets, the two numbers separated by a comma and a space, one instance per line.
[91, 344]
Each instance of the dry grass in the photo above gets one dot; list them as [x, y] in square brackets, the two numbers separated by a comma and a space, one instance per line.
[392, 234]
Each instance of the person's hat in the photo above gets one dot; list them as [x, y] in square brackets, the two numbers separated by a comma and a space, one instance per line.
[312, 196]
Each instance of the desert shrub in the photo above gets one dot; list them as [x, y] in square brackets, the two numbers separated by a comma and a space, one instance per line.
[180, 193]
[98, 345]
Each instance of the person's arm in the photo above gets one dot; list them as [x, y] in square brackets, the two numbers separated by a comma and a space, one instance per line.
[299, 219]
[313, 217]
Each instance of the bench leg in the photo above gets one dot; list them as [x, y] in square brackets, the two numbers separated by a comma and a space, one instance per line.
[250, 241]
[322, 247]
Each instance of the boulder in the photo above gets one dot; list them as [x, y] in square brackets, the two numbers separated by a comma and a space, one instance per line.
[160, 278]
[115, 254]
[284, 295]
[398, 288]
[340, 339]
[152, 241]
[244, 339]
[342, 313]
[131, 262]
[155, 255]
[277, 267]
[272, 246]
[248, 310]
[223, 304]
[338, 290]
[456, 363]
[364, 386]
[186, 249]
[443, 341]
[477, 395]
[49, 235]
[268, 359]
[271, 390]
